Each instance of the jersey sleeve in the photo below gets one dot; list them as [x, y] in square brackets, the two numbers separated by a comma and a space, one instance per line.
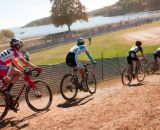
[19, 55]
[88, 54]
[140, 49]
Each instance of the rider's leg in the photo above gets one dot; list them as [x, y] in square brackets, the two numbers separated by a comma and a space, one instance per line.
[83, 75]
[15, 74]
[155, 58]
[6, 80]
[81, 70]
[129, 65]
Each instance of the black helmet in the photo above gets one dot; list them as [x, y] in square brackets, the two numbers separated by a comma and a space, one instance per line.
[138, 43]
[80, 41]
[15, 42]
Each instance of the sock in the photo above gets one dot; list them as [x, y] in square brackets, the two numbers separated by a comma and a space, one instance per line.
[8, 87]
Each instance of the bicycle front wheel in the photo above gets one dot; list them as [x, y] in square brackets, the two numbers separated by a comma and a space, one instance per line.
[91, 82]
[126, 79]
[3, 106]
[141, 74]
[68, 87]
[40, 97]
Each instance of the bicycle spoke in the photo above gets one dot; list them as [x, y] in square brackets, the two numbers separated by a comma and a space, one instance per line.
[126, 79]
[39, 99]
[68, 87]
[141, 73]
[91, 83]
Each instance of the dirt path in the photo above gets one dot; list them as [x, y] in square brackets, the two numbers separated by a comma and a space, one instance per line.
[112, 107]
[150, 36]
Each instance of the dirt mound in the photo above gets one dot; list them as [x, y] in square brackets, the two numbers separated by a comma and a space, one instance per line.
[113, 107]
[152, 35]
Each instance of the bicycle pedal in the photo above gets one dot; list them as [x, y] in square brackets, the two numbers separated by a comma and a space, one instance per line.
[16, 110]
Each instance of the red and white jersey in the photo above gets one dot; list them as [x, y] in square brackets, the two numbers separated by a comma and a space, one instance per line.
[8, 55]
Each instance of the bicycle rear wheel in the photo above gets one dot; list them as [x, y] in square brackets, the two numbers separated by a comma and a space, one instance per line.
[40, 98]
[68, 87]
[141, 74]
[3, 106]
[91, 82]
[126, 79]
[151, 68]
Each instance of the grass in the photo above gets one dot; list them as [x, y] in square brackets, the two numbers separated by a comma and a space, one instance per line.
[110, 44]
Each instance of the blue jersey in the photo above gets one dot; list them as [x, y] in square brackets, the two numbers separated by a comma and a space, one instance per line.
[78, 49]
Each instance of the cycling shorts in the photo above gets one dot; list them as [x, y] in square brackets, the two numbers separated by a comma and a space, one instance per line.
[72, 61]
[131, 59]
[4, 70]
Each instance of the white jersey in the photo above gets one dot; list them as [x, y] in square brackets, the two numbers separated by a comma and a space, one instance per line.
[78, 49]
[8, 55]
[158, 51]
[134, 50]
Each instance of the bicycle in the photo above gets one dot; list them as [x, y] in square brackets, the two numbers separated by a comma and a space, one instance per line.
[153, 67]
[70, 84]
[139, 72]
[38, 95]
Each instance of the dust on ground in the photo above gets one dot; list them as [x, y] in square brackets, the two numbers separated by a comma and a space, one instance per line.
[150, 36]
[113, 107]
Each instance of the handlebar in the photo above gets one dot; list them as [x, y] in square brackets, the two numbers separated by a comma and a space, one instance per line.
[142, 59]
[29, 72]
[87, 64]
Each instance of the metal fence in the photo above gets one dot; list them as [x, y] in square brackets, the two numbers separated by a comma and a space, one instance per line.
[106, 68]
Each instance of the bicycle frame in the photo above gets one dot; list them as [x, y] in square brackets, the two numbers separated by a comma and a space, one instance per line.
[28, 81]
[137, 64]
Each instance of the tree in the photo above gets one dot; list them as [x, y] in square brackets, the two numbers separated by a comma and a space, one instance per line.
[1, 37]
[7, 33]
[67, 12]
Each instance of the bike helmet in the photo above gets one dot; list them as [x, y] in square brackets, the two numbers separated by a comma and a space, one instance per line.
[138, 43]
[14, 43]
[80, 41]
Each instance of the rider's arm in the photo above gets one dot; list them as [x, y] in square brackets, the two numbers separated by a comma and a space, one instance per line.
[26, 63]
[17, 65]
[142, 54]
[89, 55]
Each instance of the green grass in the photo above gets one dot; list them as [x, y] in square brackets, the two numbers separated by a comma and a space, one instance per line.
[110, 44]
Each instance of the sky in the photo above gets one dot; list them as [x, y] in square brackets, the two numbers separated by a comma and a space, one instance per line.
[15, 13]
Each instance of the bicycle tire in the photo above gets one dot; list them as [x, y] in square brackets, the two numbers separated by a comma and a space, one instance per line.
[123, 76]
[141, 70]
[49, 95]
[151, 68]
[3, 98]
[68, 87]
[91, 82]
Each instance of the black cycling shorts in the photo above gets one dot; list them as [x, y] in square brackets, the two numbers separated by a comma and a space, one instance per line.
[130, 59]
[70, 59]
[156, 56]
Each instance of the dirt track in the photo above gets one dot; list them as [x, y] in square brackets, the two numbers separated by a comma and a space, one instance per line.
[147, 35]
[112, 107]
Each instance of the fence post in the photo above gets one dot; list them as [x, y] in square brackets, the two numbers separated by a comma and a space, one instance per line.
[118, 64]
[102, 64]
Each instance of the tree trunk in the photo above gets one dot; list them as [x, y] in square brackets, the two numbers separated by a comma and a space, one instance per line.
[69, 28]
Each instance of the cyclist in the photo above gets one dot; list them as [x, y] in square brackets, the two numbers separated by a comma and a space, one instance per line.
[72, 59]
[132, 55]
[157, 55]
[11, 74]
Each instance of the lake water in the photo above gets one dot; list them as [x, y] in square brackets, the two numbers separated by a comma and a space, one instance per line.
[94, 21]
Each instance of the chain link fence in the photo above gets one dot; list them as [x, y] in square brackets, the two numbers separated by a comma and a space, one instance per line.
[106, 68]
